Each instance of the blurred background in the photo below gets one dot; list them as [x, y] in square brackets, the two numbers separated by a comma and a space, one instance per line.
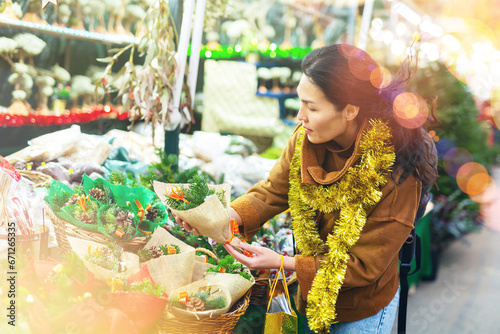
[220, 96]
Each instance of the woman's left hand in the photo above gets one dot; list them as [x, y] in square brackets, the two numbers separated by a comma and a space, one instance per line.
[262, 258]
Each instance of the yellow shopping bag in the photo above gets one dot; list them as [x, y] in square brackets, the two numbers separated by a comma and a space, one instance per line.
[280, 317]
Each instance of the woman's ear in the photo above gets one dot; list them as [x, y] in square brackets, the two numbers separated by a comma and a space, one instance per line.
[351, 111]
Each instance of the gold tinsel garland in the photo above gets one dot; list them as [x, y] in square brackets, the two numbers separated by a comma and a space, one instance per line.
[356, 190]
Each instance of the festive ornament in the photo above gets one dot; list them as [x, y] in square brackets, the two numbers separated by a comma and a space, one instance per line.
[356, 190]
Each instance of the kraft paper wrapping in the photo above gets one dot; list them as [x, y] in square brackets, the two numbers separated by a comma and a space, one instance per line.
[236, 284]
[200, 268]
[211, 218]
[197, 287]
[81, 246]
[172, 271]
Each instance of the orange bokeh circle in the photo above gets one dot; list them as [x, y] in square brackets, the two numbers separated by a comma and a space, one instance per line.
[410, 110]
[473, 178]
[380, 77]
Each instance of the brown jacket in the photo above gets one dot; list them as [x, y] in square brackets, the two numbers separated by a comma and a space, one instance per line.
[372, 278]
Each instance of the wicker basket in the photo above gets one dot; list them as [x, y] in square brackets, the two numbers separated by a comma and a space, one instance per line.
[63, 230]
[39, 179]
[260, 291]
[223, 324]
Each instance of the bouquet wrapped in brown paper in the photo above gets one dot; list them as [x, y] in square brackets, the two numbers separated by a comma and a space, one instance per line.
[205, 207]
[174, 269]
[105, 261]
[200, 299]
[235, 283]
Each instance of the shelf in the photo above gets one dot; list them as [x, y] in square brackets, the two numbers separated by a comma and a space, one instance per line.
[79, 116]
[63, 32]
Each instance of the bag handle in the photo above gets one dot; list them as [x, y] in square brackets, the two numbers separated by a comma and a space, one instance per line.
[275, 283]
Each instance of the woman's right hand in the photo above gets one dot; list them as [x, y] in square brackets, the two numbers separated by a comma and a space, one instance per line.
[186, 226]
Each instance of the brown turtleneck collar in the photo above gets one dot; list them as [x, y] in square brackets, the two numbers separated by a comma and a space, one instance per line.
[313, 156]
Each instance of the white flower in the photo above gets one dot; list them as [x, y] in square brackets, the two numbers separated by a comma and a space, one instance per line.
[19, 95]
[20, 68]
[7, 45]
[47, 91]
[31, 44]
[60, 74]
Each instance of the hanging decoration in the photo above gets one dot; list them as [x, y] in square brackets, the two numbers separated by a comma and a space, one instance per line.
[357, 189]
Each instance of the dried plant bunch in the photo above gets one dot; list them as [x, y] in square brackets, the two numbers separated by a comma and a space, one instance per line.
[146, 90]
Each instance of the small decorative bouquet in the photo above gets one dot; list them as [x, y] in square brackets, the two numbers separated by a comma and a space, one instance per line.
[110, 261]
[170, 262]
[199, 299]
[116, 222]
[230, 266]
[155, 252]
[205, 207]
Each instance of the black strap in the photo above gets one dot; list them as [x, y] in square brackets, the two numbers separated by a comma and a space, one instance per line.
[410, 250]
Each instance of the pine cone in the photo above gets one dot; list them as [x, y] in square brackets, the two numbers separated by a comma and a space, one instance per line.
[71, 201]
[97, 193]
[155, 252]
[195, 305]
[151, 214]
[124, 218]
[85, 218]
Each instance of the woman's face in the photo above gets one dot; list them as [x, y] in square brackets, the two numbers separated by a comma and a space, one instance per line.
[322, 122]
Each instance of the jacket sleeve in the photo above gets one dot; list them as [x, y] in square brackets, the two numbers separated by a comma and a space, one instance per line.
[267, 198]
[387, 227]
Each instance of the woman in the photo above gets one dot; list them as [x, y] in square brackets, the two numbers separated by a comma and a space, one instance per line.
[352, 177]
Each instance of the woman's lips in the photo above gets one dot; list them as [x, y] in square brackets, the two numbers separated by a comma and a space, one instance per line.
[307, 130]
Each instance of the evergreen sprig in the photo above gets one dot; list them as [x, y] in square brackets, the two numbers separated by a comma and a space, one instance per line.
[166, 171]
[165, 249]
[229, 265]
[109, 257]
[60, 198]
[117, 177]
[195, 194]
[146, 286]
[210, 304]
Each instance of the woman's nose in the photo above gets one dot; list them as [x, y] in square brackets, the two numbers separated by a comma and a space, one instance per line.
[301, 115]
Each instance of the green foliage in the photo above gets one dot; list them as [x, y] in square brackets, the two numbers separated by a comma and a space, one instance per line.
[117, 177]
[108, 195]
[144, 255]
[79, 190]
[194, 195]
[229, 265]
[457, 125]
[110, 215]
[189, 238]
[146, 286]
[454, 213]
[272, 153]
[165, 250]
[452, 217]
[60, 198]
[109, 257]
[74, 267]
[166, 171]
[210, 303]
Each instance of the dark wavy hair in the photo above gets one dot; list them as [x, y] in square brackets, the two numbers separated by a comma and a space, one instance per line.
[343, 73]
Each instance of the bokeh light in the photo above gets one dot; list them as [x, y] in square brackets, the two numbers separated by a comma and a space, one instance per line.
[410, 110]
[456, 158]
[489, 195]
[380, 77]
[473, 178]
[361, 64]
